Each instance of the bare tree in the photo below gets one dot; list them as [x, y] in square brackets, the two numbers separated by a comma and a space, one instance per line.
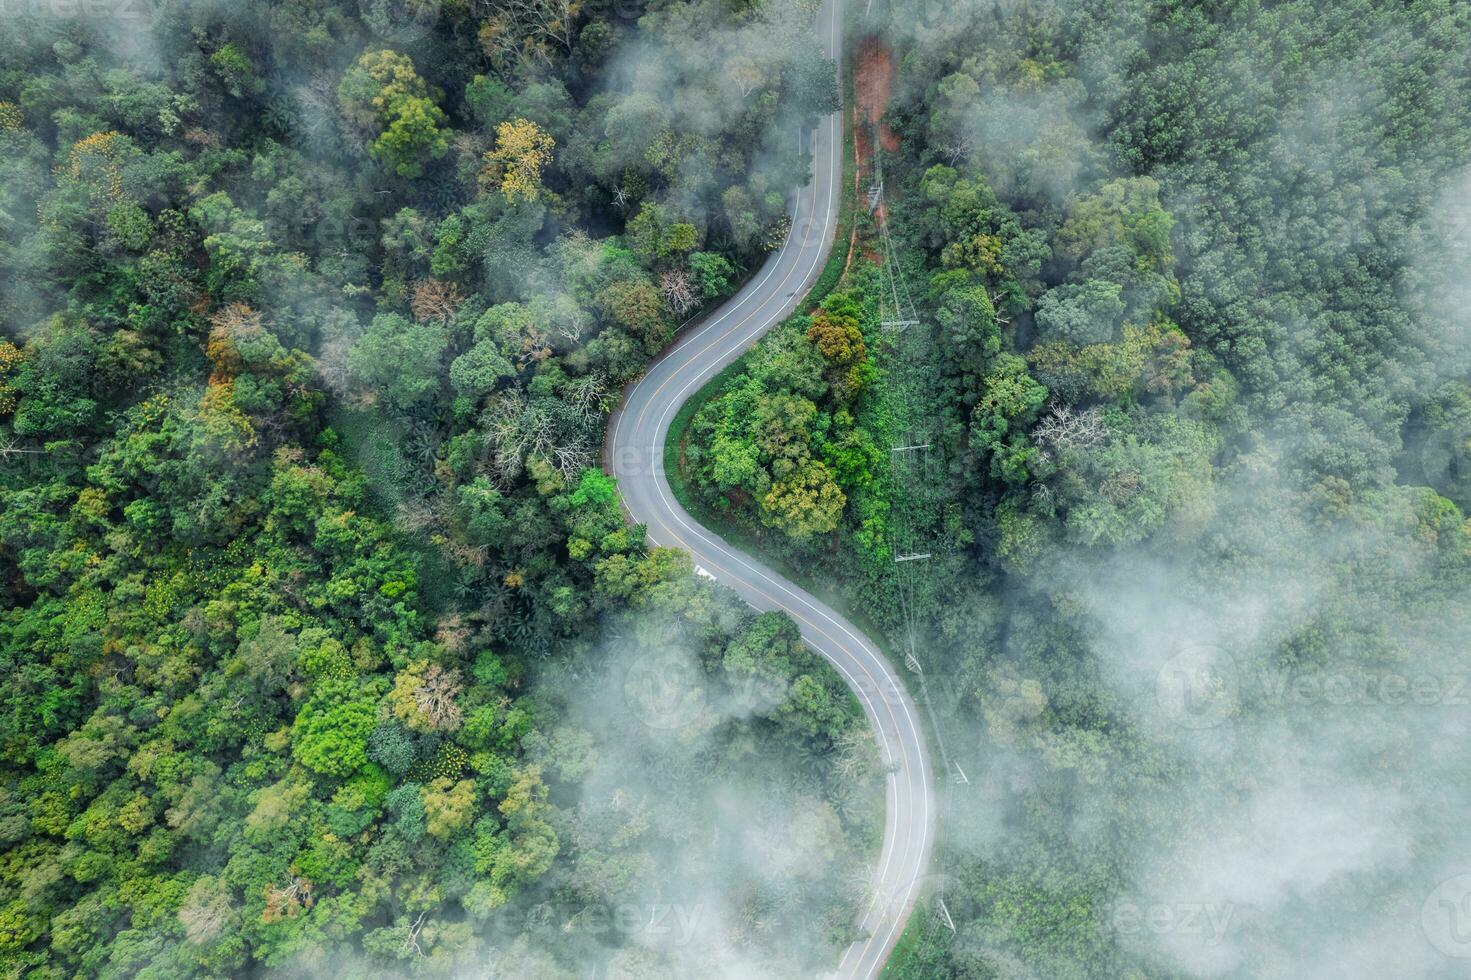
[11, 448]
[530, 29]
[416, 515]
[571, 460]
[504, 433]
[453, 632]
[207, 910]
[435, 697]
[236, 317]
[1122, 487]
[996, 299]
[586, 395]
[857, 754]
[435, 300]
[961, 149]
[285, 900]
[468, 555]
[675, 285]
[555, 432]
[321, 121]
[747, 75]
[568, 320]
[411, 939]
[1065, 430]
[532, 346]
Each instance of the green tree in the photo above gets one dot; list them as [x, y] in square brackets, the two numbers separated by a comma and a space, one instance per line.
[399, 360]
[804, 503]
[330, 733]
[449, 807]
[1087, 313]
[383, 95]
[236, 71]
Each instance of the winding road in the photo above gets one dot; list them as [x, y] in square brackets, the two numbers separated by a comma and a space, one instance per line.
[634, 454]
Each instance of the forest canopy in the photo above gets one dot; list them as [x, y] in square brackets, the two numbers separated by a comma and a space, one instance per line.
[1137, 420]
[1135, 423]
[313, 312]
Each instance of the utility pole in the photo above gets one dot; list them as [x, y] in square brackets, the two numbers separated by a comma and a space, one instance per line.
[945, 914]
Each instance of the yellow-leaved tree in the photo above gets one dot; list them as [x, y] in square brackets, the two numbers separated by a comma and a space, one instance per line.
[522, 151]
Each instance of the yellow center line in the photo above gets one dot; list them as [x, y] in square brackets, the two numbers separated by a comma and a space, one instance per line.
[904, 753]
[892, 843]
[639, 421]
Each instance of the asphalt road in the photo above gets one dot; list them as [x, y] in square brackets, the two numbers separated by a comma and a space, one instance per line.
[634, 453]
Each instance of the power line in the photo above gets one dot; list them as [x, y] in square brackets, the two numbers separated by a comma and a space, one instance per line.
[906, 361]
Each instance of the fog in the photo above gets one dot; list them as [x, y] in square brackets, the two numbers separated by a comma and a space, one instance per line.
[1233, 749]
[1278, 784]
[688, 799]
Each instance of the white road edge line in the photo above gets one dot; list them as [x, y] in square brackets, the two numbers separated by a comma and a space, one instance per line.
[909, 736]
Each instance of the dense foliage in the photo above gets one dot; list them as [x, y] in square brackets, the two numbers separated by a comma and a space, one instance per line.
[1191, 364]
[313, 314]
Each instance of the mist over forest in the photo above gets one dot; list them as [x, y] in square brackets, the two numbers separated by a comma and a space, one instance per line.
[1193, 628]
[331, 651]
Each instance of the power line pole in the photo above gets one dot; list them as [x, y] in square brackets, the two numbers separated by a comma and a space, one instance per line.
[945, 914]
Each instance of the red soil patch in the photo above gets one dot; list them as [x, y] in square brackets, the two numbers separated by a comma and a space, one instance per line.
[861, 145]
[874, 72]
[873, 86]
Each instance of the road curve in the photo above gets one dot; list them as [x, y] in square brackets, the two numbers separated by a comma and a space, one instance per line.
[634, 454]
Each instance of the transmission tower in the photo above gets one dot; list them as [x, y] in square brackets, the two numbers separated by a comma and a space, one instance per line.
[908, 359]
[896, 306]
